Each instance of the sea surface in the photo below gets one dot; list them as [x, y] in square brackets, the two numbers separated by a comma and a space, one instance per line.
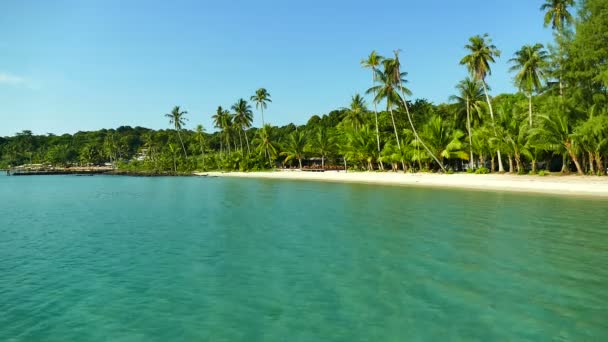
[108, 258]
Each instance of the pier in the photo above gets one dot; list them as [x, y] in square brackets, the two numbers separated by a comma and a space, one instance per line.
[79, 171]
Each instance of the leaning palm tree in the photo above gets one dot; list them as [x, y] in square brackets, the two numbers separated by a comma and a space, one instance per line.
[200, 138]
[178, 120]
[481, 53]
[295, 147]
[261, 99]
[399, 80]
[355, 114]
[557, 14]
[529, 63]
[373, 62]
[470, 98]
[243, 119]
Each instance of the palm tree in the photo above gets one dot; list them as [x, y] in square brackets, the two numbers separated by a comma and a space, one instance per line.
[243, 118]
[529, 62]
[178, 120]
[556, 14]
[355, 114]
[200, 138]
[471, 98]
[172, 149]
[373, 62]
[295, 147]
[443, 140]
[264, 143]
[261, 99]
[223, 121]
[398, 79]
[482, 53]
[387, 90]
[555, 134]
[323, 143]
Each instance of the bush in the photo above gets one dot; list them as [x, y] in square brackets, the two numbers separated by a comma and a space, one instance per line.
[482, 171]
[450, 172]
[470, 170]
[543, 173]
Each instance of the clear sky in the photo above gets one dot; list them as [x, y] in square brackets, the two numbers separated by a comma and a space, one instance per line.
[70, 65]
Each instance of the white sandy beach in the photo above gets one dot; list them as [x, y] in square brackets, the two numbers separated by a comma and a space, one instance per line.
[566, 185]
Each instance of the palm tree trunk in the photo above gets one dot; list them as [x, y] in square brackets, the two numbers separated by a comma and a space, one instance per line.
[409, 117]
[591, 168]
[600, 164]
[262, 110]
[182, 142]
[485, 90]
[376, 110]
[247, 141]
[470, 135]
[395, 128]
[241, 140]
[300, 163]
[518, 162]
[510, 163]
[530, 108]
[323, 162]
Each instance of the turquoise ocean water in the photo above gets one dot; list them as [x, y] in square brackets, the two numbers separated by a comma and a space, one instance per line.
[208, 259]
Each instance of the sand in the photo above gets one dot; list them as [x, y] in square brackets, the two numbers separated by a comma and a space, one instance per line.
[563, 185]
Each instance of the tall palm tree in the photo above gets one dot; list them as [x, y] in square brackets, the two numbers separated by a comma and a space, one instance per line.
[557, 14]
[223, 121]
[387, 90]
[398, 79]
[243, 119]
[555, 134]
[481, 53]
[178, 120]
[261, 99]
[200, 138]
[372, 62]
[529, 63]
[470, 96]
[355, 114]
[295, 147]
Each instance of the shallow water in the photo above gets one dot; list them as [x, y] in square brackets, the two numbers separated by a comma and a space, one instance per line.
[158, 259]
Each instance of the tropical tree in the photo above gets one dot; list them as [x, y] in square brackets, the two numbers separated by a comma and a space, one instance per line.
[470, 100]
[295, 147]
[481, 53]
[178, 120]
[261, 99]
[372, 62]
[243, 119]
[223, 121]
[323, 143]
[355, 114]
[558, 16]
[529, 63]
[443, 140]
[396, 65]
[200, 139]
[264, 143]
[555, 134]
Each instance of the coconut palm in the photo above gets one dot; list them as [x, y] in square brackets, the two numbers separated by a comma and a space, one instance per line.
[529, 63]
[178, 120]
[355, 114]
[223, 121]
[261, 99]
[264, 143]
[295, 147]
[470, 100]
[443, 140]
[372, 62]
[555, 134]
[323, 143]
[243, 119]
[398, 79]
[200, 139]
[481, 53]
[387, 90]
[557, 14]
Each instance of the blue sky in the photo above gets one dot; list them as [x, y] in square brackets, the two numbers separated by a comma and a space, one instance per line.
[77, 65]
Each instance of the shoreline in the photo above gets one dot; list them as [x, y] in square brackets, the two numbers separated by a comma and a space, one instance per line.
[588, 186]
